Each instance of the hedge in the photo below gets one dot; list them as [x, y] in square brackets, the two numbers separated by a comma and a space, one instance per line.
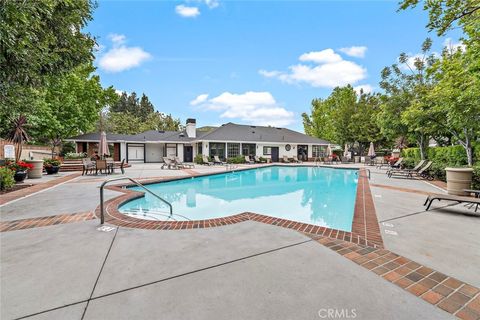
[442, 157]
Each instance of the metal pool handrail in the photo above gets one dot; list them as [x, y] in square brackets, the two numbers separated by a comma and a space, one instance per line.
[102, 215]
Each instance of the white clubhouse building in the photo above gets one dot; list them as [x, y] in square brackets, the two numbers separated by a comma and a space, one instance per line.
[227, 141]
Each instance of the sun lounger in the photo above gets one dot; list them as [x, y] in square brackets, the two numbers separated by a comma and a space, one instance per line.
[206, 161]
[408, 172]
[181, 164]
[285, 159]
[216, 160]
[247, 160]
[295, 159]
[258, 160]
[396, 165]
[169, 163]
[422, 173]
[449, 197]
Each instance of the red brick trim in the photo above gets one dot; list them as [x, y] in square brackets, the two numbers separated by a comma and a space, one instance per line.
[35, 188]
[365, 229]
[45, 221]
[447, 293]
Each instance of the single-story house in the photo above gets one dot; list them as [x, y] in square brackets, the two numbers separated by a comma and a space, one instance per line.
[227, 141]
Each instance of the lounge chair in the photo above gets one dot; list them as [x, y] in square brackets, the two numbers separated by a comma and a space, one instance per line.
[295, 159]
[449, 197]
[216, 160]
[396, 165]
[169, 163]
[206, 161]
[181, 164]
[422, 173]
[258, 160]
[408, 172]
[248, 160]
[285, 159]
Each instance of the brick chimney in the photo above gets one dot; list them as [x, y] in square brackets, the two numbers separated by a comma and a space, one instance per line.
[191, 128]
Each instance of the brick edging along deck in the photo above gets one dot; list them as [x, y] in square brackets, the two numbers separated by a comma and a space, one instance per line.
[365, 229]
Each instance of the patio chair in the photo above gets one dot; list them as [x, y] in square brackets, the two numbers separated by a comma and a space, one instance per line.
[248, 160]
[344, 160]
[216, 160]
[407, 171]
[101, 165]
[206, 161]
[369, 161]
[87, 165]
[295, 159]
[258, 160]
[122, 166]
[327, 160]
[285, 159]
[450, 197]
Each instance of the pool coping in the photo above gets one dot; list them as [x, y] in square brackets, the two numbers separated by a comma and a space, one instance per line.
[365, 228]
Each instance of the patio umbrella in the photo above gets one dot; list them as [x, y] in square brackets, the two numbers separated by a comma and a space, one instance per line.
[329, 151]
[346, 154]
[103, 145]
[371, 151]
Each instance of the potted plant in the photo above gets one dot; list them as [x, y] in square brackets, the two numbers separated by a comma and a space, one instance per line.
[20, 168]
[51, 165]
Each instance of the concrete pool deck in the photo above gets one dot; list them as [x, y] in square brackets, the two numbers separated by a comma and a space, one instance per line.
[245, 270]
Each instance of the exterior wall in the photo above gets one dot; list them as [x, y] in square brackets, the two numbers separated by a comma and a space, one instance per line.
[180, 151]
[154, 152]
[123, 151]
[171, 150]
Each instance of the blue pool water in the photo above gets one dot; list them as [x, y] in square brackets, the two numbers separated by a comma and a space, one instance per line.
[319, 196]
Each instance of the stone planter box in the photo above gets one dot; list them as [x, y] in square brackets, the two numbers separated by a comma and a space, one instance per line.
[37, 170]
[459, 179]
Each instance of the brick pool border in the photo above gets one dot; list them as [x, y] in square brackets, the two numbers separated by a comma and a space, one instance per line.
[365, 228]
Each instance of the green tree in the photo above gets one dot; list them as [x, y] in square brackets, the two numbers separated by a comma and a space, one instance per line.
[444, 14]
[456, 97]
[72, 104]
[406, 108]
[39, 39]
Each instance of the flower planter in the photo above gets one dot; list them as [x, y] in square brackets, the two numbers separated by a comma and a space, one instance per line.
[36, 171]
[20, 176]
[52, 169]
[459, 179]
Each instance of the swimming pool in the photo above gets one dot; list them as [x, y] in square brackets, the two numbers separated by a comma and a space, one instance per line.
[318, 196]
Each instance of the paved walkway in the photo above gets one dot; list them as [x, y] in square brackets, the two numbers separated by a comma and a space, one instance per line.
[62, 269]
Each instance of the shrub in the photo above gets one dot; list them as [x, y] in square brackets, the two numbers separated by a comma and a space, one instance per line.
[51, 162]
[73, 155]
[6, 178]
[236, 160]
[67, 147]
[198, 159]
[476, 177]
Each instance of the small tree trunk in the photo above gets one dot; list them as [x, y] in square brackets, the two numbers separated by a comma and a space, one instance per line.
[468, 148]
[421, 145]
[18, 152]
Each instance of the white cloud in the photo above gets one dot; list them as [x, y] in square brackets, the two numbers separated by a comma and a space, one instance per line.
[259, 108]
[365, 87]
[450, 44]
[324, 56]
[187, 12]
[199, 99]
[120, 57]
[212, 3]
[117, 39]
[355, 51]
[328, 69]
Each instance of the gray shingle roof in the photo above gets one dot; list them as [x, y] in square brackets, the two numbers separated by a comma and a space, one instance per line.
[237, 132]
[226, 132]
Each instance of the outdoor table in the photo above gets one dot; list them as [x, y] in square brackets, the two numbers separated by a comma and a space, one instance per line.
[476, 195]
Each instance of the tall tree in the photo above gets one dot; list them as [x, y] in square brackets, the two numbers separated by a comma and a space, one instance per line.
[72, 104]
[39, 39]
[406, 106]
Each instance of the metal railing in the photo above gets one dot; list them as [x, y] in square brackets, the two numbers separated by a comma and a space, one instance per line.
[102, 214]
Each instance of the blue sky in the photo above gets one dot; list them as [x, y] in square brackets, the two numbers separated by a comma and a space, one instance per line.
[256, 62]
